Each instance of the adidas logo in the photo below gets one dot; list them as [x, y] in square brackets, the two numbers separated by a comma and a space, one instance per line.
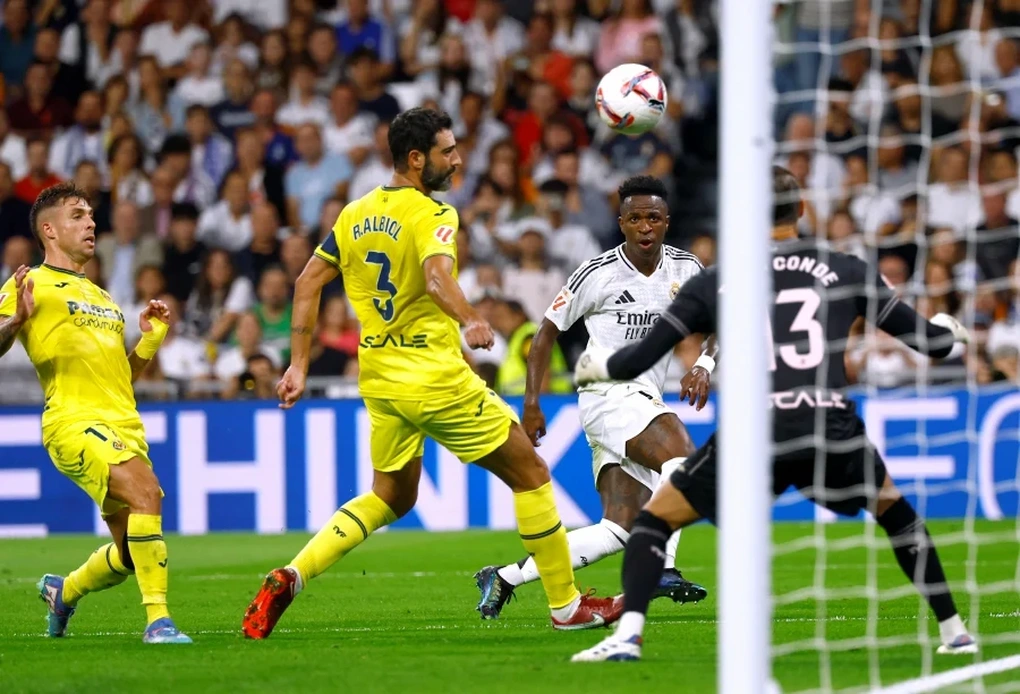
[625, 298]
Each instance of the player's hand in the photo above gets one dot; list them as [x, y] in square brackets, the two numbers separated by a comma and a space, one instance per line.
[478, 334]
[534, 423]
[944, 320]
[592, 366]
[291, 387]
[694, 387]
[155, 309]
[25, 287]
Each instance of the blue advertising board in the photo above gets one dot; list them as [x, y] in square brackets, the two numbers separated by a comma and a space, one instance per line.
[250, 466]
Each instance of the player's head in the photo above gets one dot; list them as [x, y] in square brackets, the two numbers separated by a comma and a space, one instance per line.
[644, 216]
[61, 220]
[424, 149]
[787, 205]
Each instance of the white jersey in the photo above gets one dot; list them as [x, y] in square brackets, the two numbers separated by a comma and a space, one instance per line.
[619, 304]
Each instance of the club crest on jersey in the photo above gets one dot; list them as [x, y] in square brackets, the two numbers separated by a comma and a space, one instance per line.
[674, 289]
[445, 234]
[562, 299]
[118, 445]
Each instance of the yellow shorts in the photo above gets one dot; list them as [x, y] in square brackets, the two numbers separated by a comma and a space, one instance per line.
[470, 425]
[84, 452]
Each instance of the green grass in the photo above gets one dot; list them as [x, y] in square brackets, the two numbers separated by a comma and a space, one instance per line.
[398, 615]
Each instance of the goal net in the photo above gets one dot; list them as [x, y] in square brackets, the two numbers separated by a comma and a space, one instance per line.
[901, 119]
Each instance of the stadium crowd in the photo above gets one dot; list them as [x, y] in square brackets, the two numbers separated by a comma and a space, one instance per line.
[219, 139]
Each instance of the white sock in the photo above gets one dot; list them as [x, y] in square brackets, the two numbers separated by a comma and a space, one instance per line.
[951, 628]
[630, 624]
[587, 546]
[300, 584]
[563, 614]
[667, 469]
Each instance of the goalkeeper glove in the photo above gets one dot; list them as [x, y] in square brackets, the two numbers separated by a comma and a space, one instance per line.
[592, 366]
[944, 320]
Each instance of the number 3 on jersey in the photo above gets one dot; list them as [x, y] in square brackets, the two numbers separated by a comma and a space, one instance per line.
[383, 306]
[803, 322]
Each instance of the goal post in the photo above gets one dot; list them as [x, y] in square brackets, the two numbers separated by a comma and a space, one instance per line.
[744, 440]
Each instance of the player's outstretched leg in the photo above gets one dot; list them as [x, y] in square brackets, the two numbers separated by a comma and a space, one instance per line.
[518, 464]
[103, 569]
[134, 483]
[919, 560]
[393, 495]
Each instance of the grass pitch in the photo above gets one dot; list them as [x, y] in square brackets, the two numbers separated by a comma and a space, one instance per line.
[398, 615]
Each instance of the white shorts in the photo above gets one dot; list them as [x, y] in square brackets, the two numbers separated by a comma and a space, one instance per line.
[613, 419]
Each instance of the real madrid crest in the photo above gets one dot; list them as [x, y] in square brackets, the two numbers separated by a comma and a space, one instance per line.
[674, 289]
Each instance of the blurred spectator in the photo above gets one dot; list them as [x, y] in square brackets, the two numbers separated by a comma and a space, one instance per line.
[17, 251]
[842, 132]
[39, 111]
[12, 148]
[234, 361]
[227, 223]
[233, 45]
[573, 34]
[512, 322]
[83, 141]
[704, 248]
[273, 70]
[644, 154]
[945, 246]
[13, 210]
[305, 105]
[87, 44]
[55, 14]
[124, 251]
[310, 182]
[581, 101]
[199, 85]
[912, 120]
[327, 63]
[123, 61]
[452, 78]
[258, 382]
[335, 349]
[149, 286]
[533, 280]
[39, 176]
[184, 252]
[211, 153]
[842, 235]
[949, 97]
[180, 358]
[539, 61]
[150, 112]
[874, 211]
[883, 361]
[233, 111]
[66, 80]
[116, 100]
[331, 210]
[127, 179]
[264, 181]
[219, 298]
[279, 146]
[998, 130]
[191, 183]
[1007, 62]
[620, 40]
[170, 41]
[997, 238]
[295, 251]
[17, 41]
[362, 30]
[274, 309]
[592, 168]
[584, 203]
[421, 34]
[363, 68]
[263, 14]
[264, 249]
[477, 131]
[543, 107]
[954, 200]
[377, 170]
[896, 173]
[568, 244]
[491, 38]
[88, 179]
[348, 132]
[976, 45]
[157, 216]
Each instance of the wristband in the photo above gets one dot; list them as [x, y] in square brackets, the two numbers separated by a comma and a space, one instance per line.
[150, 342]
[706, 362]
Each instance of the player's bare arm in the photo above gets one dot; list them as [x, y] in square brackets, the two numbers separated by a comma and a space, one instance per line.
[696, 383]
[10, 325]
[443, 289]
[538, 365]
[154, 322]
[307, 295]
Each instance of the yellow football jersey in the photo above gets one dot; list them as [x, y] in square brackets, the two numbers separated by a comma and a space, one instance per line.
[75, 339]
[409, 348]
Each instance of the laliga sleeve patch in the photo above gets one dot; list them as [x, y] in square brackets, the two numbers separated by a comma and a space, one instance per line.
[445, 234]
[562, 299]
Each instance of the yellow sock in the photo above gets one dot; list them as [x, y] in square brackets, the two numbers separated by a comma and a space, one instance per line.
[545, 539]
[148, 552]
[349, 527]
[103, 569]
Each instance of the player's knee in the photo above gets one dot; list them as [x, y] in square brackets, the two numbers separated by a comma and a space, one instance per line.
[400, 500]
[145, 495]
[623, 516]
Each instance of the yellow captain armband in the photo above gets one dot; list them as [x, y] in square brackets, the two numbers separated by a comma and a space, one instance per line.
[151, 340]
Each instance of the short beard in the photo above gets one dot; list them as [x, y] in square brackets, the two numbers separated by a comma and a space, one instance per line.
[436, 180]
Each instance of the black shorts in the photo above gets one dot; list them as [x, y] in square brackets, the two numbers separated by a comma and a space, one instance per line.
[845, 478]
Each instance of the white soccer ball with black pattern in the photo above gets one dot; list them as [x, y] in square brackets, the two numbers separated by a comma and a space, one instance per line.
[631, 99]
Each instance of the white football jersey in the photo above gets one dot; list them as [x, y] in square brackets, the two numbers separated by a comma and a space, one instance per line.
[619, 304]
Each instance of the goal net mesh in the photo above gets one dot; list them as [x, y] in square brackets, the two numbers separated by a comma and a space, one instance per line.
[902, 121]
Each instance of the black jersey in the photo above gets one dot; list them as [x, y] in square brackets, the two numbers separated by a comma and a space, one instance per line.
[818, 294]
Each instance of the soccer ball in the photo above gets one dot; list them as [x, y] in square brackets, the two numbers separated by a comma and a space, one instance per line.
[631, 99]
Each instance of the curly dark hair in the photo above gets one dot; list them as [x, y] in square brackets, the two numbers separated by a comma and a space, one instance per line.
[53, 197]
[786, 197]
[642, 185]
[415, 129]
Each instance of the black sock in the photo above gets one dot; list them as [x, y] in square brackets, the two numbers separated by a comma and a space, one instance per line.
[916, 555]
[643, 560]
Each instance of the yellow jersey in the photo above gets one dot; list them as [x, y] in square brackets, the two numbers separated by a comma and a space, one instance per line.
[75, 339]
[409, 348]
